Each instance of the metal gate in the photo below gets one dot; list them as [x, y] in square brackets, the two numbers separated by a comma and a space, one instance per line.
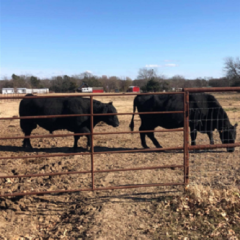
[185, 148]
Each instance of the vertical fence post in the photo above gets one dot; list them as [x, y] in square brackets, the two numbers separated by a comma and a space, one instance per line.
[186, 137]
[92, 146]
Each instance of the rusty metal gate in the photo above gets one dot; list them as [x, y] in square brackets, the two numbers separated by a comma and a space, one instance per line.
[185, 148]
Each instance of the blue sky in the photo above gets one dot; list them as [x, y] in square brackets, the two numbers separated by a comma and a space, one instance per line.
[177, 37]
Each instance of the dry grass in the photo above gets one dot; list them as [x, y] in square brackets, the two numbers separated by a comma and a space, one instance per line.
[201, 213]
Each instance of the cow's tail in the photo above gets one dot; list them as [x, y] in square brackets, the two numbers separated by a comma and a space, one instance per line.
[132, 122]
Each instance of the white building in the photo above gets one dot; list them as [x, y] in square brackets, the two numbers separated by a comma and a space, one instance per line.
[87, 90]
[21, 90]
[24, 90]
[7, 90]
[37, 90]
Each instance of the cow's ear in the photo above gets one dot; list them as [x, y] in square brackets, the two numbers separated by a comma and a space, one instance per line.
[110, 103]
[236, 125]
[105, 108]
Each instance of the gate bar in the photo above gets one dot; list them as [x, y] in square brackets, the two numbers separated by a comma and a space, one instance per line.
[186, 138]
[90, 189]
[102, 152]
[96, 171]
[92, 145]
[212, 89]
[89, 95]
[95, 133]
[87, 114]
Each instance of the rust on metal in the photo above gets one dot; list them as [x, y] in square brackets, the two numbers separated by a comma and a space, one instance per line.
[185, 149]
[140, 168]
[92, 144]
[87, 114]
[44, 192]
[89, 153]
[186, 138]
[45, 174]
[139, 186]
[85, 134]
[90, 189]
[96, 171]
[208, 146]
[89, 95]
[212, 89]
[45, 155]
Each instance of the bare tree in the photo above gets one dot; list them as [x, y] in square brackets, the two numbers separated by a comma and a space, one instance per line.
[177, 81]
[232, 68]
[112, 83]
[146, 74]
[124, 84]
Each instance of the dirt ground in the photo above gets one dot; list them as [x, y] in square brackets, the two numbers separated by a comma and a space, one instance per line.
[114, 214]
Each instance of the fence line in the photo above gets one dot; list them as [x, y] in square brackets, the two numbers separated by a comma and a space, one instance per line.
[186, 148]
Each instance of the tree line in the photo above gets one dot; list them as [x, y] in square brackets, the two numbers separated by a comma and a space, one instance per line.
[148, 80]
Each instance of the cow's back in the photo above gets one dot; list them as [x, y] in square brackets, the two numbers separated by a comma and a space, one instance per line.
[53, 106]
[41, 106]
[161, 103]
[201, 107]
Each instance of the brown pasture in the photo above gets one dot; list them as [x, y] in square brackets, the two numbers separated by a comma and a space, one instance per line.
[215, 168]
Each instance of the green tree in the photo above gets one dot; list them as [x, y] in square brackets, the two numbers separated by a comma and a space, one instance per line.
[63, 84]
[15, 77]
[164, 85]
[153, 86]
[57, 84]
[92, 82]
[72, 86]
[35, 82]
[235, 83]
[18, 81]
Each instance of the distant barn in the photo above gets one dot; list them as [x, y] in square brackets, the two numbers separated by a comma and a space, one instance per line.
[84, 88]
[133, 89]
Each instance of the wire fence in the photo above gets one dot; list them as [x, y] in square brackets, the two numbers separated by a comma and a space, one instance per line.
[51, 167]
[215, 167]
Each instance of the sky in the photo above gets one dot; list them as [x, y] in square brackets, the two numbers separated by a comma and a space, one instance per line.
[45, 38]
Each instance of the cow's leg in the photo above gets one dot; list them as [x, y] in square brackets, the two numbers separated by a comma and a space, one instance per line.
[27, 127]
[154, 140]
[89, 138]
[210, 135]
[26, 141]
[76, 138]
[193, 134]
[142, 136]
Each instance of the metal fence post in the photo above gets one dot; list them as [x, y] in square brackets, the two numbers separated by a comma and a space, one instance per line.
[92, 145]
[186, 138]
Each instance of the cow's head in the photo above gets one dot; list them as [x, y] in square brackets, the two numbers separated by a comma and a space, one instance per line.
[110, 119]
[228, 136]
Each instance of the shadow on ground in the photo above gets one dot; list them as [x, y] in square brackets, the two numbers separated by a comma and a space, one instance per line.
[71, 215]
[96, 149]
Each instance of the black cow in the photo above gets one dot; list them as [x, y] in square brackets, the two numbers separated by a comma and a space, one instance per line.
[64, 105]
[206, 115]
